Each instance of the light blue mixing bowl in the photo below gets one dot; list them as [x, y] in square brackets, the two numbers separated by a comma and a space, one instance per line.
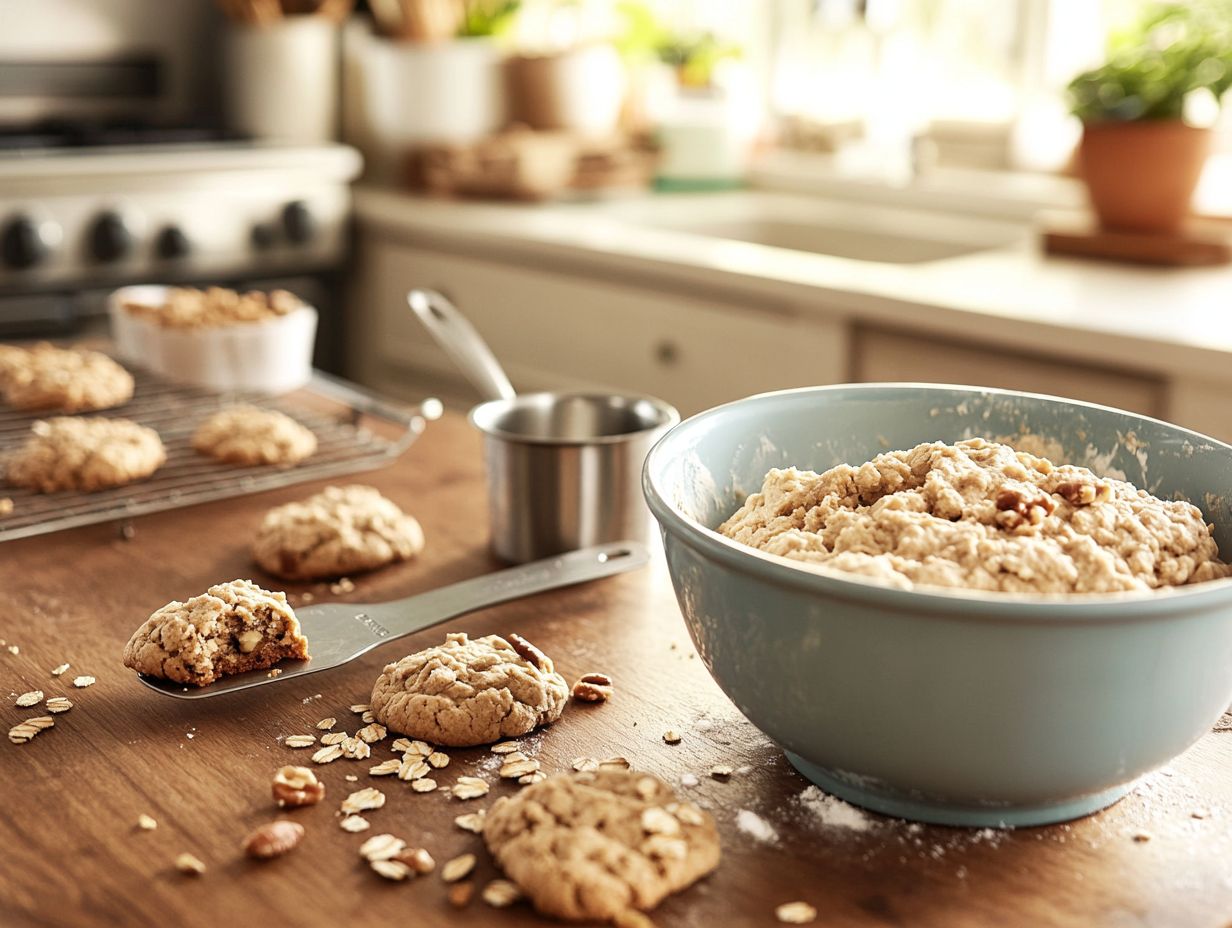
[954, 707]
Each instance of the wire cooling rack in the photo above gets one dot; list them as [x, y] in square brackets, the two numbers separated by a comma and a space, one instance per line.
[344, 446]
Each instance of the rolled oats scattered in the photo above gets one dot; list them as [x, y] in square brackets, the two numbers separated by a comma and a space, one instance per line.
[413, 769]
[657, 821]
[83, 681]
[356, 749]
[470, 788]
[721, 771]
[513, 757]
[327, 723]
[32, 698]
[532, 778]
[360, 708]
[501, 893]
[671, 736]
[146, 822]
[505, 747]
[334, 737]
[327, 754]
[351, 778]
[56, 671]
[438, 759]
[459, 894]
[190, 865]
[24, 731]
[401, 745]
[795, 913]
[619, 763]
[519, 768]
[362, 800]
[367, 718]
[299, 741]
[372, 733]
[424, 785]
[422, 748]
[354, 824]
[390, 869]
[458, 868]
[471, 821]
[381, 847]
[385, 767]
[581, 764]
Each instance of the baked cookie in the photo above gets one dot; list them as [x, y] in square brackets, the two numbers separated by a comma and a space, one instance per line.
[248, 435]
[61, 379]
[464, 692]
[594, 845]
[90, 453]
[341, 530]
[230, 628]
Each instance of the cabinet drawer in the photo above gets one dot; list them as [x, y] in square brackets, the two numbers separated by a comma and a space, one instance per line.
[893, 356]
[555, 330]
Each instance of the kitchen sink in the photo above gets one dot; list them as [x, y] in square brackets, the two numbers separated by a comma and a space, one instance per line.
[857, 231]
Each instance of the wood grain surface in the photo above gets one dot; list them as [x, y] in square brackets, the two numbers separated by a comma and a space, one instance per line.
[72, 854]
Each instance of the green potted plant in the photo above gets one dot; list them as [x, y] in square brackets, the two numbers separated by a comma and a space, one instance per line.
[1139, 156]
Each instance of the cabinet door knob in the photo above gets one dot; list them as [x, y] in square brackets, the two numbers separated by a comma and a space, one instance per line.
[667, 353]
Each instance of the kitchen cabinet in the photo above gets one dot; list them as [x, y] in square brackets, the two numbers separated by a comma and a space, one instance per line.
[565, 330]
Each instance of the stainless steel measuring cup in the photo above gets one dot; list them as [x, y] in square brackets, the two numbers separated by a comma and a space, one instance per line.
[564, 469]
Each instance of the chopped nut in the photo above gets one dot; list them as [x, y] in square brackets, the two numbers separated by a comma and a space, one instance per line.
[56, 671]
[32, 698]
[584, 763]
[528, 652]
[593, 687]
[505, 747]
[381, 847]
[391, 869]
[356, 749]
[385, 767]
[327, 723]
[501, 893]
[24, 731]
[413, 769]
[334, 737]
[423, 785]
[58, 704]
[327, 754]
[721, 771]
[458, 868]
[296, 786]
[372, 733]
[459, 894]
[419, 860]
[299, 741]
[671, 736]
[1077, 493]
[438, 760]
[472, 821]
[13, 649]
[470, 788]
[795, 913]
[190, 865]
[83, 681]
[657, 821]
[354, 824]
[146, 822]
[273, 839]
[363, 799]
[1141, 837]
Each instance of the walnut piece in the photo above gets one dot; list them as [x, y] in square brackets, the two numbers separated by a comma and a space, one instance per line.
[1078, 493]
[529, 652]
[296, 786]
[593, 687]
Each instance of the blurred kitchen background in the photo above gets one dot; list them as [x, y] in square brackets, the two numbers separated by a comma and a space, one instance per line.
[696, 199]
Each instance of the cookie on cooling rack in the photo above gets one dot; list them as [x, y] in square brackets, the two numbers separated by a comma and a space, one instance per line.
[341, 530]
[248, 435]
[61, 379]
[84, 453]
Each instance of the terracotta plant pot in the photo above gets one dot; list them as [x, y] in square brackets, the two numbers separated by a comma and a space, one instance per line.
[1141, 175]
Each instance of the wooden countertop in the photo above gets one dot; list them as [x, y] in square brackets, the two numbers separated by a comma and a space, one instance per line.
[73, 855]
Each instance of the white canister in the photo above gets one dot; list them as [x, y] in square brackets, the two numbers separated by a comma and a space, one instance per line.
[280, 80]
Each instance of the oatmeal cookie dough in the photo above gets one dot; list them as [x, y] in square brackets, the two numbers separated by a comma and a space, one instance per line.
[341, 530]
[84, 453]
[465, 692]
[248, 435]
[61, 379]
[979, 515]
[230, 628]
[591, 846]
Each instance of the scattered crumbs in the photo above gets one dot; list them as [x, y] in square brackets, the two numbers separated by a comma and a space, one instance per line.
[833, 812]
[307, 596]
[688, 780]
[308, 699]
[671, 736]
[351, 778]
[721, 771]
[56, 671]
[274, 673]
[1141, 837]
[188, 735]
[344, 585]
[795, 913]
[756, 827]
[13, 649]
[146, 822]
[961, 873]
[190, 865]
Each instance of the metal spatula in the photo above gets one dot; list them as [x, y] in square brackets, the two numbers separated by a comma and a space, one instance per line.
[340, 632]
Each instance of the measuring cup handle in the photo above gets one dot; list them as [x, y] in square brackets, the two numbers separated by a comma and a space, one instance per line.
[462, 343]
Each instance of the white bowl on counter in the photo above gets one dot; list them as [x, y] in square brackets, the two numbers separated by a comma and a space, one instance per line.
[270, 356]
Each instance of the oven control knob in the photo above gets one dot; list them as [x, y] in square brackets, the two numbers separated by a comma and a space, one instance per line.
[172, 243]
[25, 243]
[110, 238]
[263, 235]
[298, 222]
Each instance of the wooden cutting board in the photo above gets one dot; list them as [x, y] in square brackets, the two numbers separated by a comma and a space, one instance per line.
[1204, 242]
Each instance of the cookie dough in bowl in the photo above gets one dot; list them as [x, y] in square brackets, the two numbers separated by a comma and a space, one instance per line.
[467, 692]
[1022, 668]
